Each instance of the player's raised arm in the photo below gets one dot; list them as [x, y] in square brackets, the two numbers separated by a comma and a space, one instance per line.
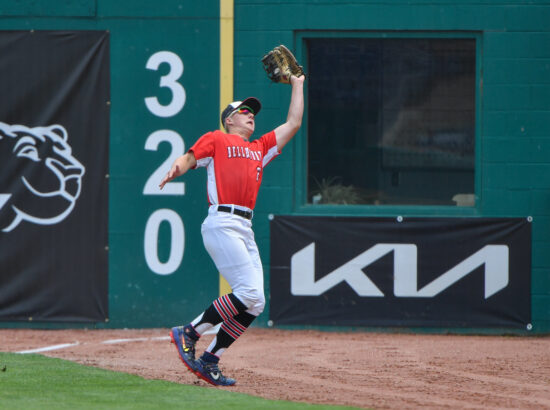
[286, 131]
[281, 66]
[181, 166]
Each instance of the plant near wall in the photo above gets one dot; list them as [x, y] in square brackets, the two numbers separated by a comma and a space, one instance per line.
[331, 191]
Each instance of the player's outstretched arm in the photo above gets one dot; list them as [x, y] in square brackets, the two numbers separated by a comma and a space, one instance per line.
[181, 166]
[286, 131]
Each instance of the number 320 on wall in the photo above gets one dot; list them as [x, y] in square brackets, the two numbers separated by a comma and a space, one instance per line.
[175, 105]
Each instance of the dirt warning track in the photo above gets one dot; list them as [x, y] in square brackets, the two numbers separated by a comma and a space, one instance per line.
[384, 371]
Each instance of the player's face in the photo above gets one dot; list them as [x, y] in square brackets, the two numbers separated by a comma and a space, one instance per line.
[243, 118]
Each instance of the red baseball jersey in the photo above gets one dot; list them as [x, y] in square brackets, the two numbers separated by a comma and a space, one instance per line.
[234, 166]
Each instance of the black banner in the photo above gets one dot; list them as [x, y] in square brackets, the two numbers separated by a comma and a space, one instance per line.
[54, 157]
[441, 272]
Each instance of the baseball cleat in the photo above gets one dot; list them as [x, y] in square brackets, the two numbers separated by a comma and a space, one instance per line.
[185, 345]
[211, 373]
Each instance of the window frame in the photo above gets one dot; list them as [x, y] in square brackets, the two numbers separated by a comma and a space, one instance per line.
[301, 206]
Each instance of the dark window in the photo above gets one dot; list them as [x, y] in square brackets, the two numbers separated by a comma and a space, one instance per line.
[391, 121]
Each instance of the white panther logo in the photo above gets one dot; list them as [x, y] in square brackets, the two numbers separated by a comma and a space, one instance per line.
[40, 180]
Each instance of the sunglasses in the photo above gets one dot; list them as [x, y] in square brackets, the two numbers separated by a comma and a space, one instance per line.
[243, 110]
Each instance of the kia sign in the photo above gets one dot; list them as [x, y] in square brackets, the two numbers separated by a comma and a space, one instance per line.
[302, 272]
[411, 272]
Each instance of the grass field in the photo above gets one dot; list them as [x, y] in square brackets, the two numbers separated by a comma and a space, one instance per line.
[38, 382]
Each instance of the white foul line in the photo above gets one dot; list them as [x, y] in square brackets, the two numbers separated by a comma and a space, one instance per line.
[105, 342]
[137, 339]
[48, 348]
[161, 338]
[113, 341]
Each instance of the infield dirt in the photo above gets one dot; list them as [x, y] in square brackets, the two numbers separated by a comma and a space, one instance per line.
[378, 370]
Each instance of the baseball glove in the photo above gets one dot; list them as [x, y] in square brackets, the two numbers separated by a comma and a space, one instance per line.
[280, 64]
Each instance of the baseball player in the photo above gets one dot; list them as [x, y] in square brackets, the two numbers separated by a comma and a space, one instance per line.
[234, 166]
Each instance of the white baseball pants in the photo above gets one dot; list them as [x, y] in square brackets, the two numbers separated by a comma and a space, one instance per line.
[229, 240]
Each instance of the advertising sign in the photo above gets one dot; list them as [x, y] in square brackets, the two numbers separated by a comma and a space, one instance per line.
[409, 272]
[54, 158]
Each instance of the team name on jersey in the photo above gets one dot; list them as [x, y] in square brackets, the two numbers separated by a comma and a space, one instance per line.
[243, 152]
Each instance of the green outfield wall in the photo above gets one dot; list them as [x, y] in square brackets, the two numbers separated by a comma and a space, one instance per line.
[159, 272]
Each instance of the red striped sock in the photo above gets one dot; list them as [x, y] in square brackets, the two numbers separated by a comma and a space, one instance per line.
[230, 331]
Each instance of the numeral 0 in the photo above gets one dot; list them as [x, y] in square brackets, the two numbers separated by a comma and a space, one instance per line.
[177, 241]
[169, 81]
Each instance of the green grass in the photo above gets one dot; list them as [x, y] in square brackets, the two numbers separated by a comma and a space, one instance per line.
[38, 382]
